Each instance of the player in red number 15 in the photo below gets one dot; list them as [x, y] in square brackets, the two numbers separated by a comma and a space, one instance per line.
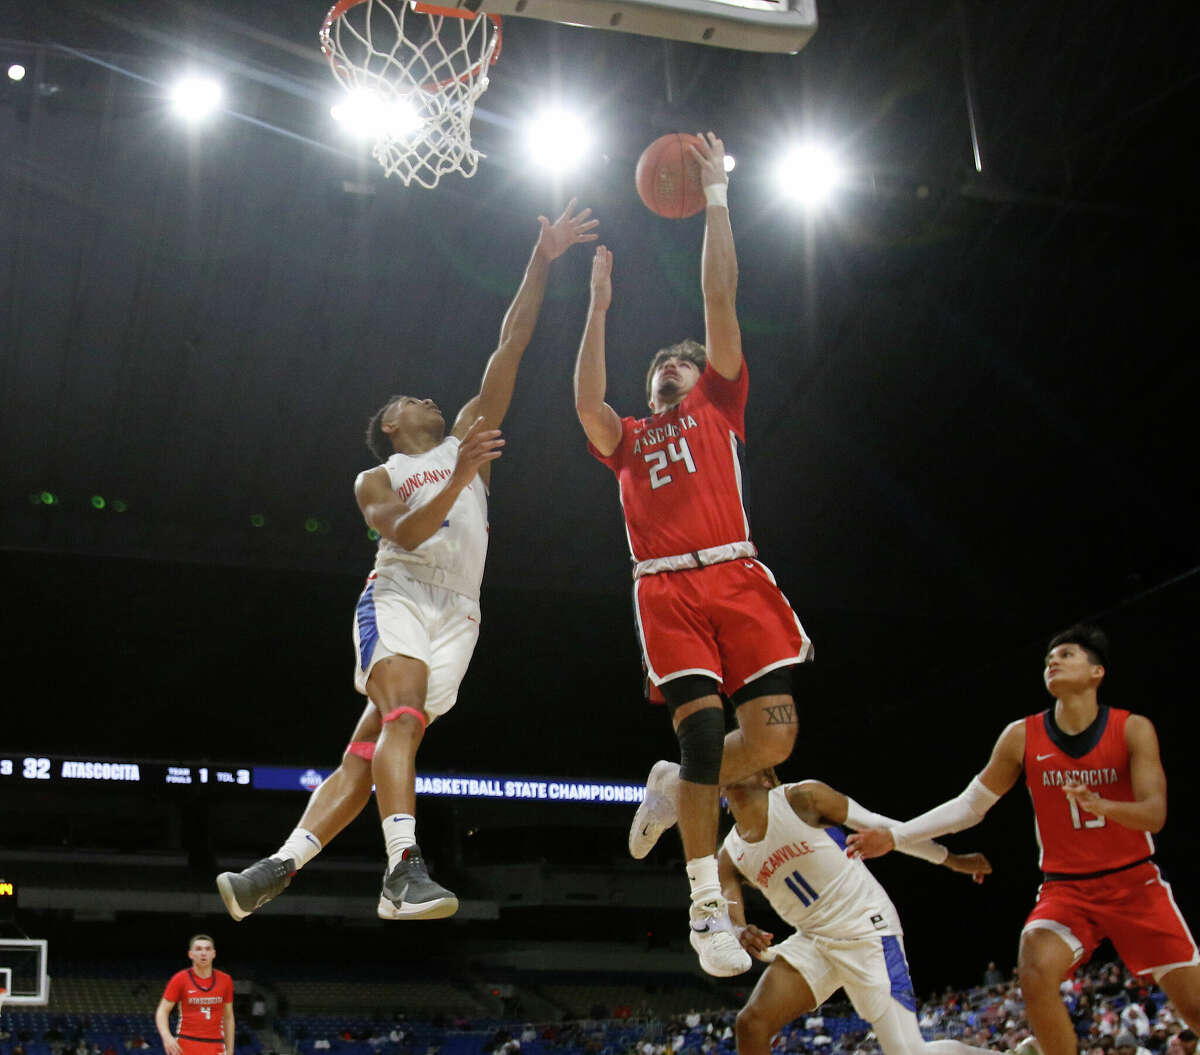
[1098, 792]
[205, 999]
[710, 618]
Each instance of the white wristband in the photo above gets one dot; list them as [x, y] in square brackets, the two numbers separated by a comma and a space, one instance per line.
[717, 194]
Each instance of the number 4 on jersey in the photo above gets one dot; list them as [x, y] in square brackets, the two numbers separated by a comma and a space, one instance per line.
[658, 462]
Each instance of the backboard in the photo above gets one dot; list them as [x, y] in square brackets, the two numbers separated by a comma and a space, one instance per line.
[25, 961]
[782, 26]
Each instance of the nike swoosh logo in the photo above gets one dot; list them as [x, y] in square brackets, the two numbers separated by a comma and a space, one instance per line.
[741, 855]
[645, 829]
[1042, 758]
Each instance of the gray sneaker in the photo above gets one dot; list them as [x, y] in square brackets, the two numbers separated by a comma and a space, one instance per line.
[409, 893]
[253, 887]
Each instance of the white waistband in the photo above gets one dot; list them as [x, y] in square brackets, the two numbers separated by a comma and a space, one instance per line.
[431, 576]
[701, 558]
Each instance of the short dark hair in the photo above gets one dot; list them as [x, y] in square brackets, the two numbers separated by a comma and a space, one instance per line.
[200, 937]
[692, 351]
[1090, 638]
[379, 442]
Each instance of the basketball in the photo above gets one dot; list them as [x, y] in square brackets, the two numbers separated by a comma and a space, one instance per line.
[668, 177]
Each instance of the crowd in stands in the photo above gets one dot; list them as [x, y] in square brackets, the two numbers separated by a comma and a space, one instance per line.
[1114, 1013]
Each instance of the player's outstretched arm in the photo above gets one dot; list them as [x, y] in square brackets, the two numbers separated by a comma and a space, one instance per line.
[718, 263]
[162, 1020]
[754, 940]
[963, 811]
[516, 331]
[1148, 810]
[600, 422]
[227, 1028]
[384, 511]
[975, 865]
[820, 805]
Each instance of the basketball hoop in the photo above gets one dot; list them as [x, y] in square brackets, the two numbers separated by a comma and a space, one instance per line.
[418, 69]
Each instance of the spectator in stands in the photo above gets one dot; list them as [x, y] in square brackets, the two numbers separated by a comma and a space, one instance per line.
[1187, 1042]
[1127, 1044]
[992, 976]
[1135, 1019]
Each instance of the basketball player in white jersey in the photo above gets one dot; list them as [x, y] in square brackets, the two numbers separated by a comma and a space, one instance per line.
[417, 620]
[785, 842]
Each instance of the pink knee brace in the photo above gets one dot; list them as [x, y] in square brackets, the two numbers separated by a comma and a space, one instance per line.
[391, 716]
[365, 749]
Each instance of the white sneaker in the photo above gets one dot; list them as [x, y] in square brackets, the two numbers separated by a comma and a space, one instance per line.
[658, 811]
[711, 935]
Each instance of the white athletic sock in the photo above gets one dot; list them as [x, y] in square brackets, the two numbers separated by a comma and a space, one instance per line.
[702, 878]
[399, 833]
[301, 847]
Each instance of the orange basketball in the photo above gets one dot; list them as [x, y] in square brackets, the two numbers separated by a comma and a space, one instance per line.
[668, 177]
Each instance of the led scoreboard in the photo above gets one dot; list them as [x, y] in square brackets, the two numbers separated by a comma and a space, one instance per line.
[34, 770]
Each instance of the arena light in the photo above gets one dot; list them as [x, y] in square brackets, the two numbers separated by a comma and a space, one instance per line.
[366, 115]
[557, 140]
[195, 98]
[809, 174]
[730, 163]
[16, 72]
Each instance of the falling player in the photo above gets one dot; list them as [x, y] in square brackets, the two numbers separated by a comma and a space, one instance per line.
[1098, 792]
[710, 618]
[205, 999]
[417, 620]
[848, 934]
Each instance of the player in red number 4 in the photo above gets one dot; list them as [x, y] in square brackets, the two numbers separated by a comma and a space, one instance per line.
[205, 999]
[710, 618]
[1098, 791]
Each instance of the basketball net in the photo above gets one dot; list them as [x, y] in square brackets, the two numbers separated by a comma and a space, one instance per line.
[419, 70]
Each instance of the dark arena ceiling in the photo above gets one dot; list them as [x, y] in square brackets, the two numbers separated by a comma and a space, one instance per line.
[972, 412]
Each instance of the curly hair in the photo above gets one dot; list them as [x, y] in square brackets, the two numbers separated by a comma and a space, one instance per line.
[692, 351]
[378, 441]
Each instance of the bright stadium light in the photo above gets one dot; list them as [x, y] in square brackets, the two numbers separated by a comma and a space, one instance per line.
[366, 115]
[809, 174]
[557, 141]
[195, 98]
[730, 163]
[16, 72]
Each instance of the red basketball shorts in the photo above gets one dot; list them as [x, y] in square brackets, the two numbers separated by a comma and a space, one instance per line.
[196, 1046]
[1134, 909]
[728, 621]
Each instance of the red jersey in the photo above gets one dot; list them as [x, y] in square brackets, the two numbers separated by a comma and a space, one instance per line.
[201, 1003]
[679, 474]
[1073, 841]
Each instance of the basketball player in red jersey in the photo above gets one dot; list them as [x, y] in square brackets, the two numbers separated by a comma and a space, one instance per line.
[1098, 793]
[205, 999]
[711, 620]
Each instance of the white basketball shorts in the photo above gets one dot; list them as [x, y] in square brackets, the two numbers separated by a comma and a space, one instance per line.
[872, 970]
[398, 616]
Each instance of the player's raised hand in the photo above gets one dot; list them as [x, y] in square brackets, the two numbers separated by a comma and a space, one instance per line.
[477, 447]
[870, 842]
[710, 156]
[975, 865]
[571, 227]
[602, 278]
[755, 940]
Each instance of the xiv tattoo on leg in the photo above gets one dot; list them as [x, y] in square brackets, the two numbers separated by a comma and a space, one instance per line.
[781, 714]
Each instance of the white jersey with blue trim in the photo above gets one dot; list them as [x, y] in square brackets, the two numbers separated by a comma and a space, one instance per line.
[809, 880]
[454, 555]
